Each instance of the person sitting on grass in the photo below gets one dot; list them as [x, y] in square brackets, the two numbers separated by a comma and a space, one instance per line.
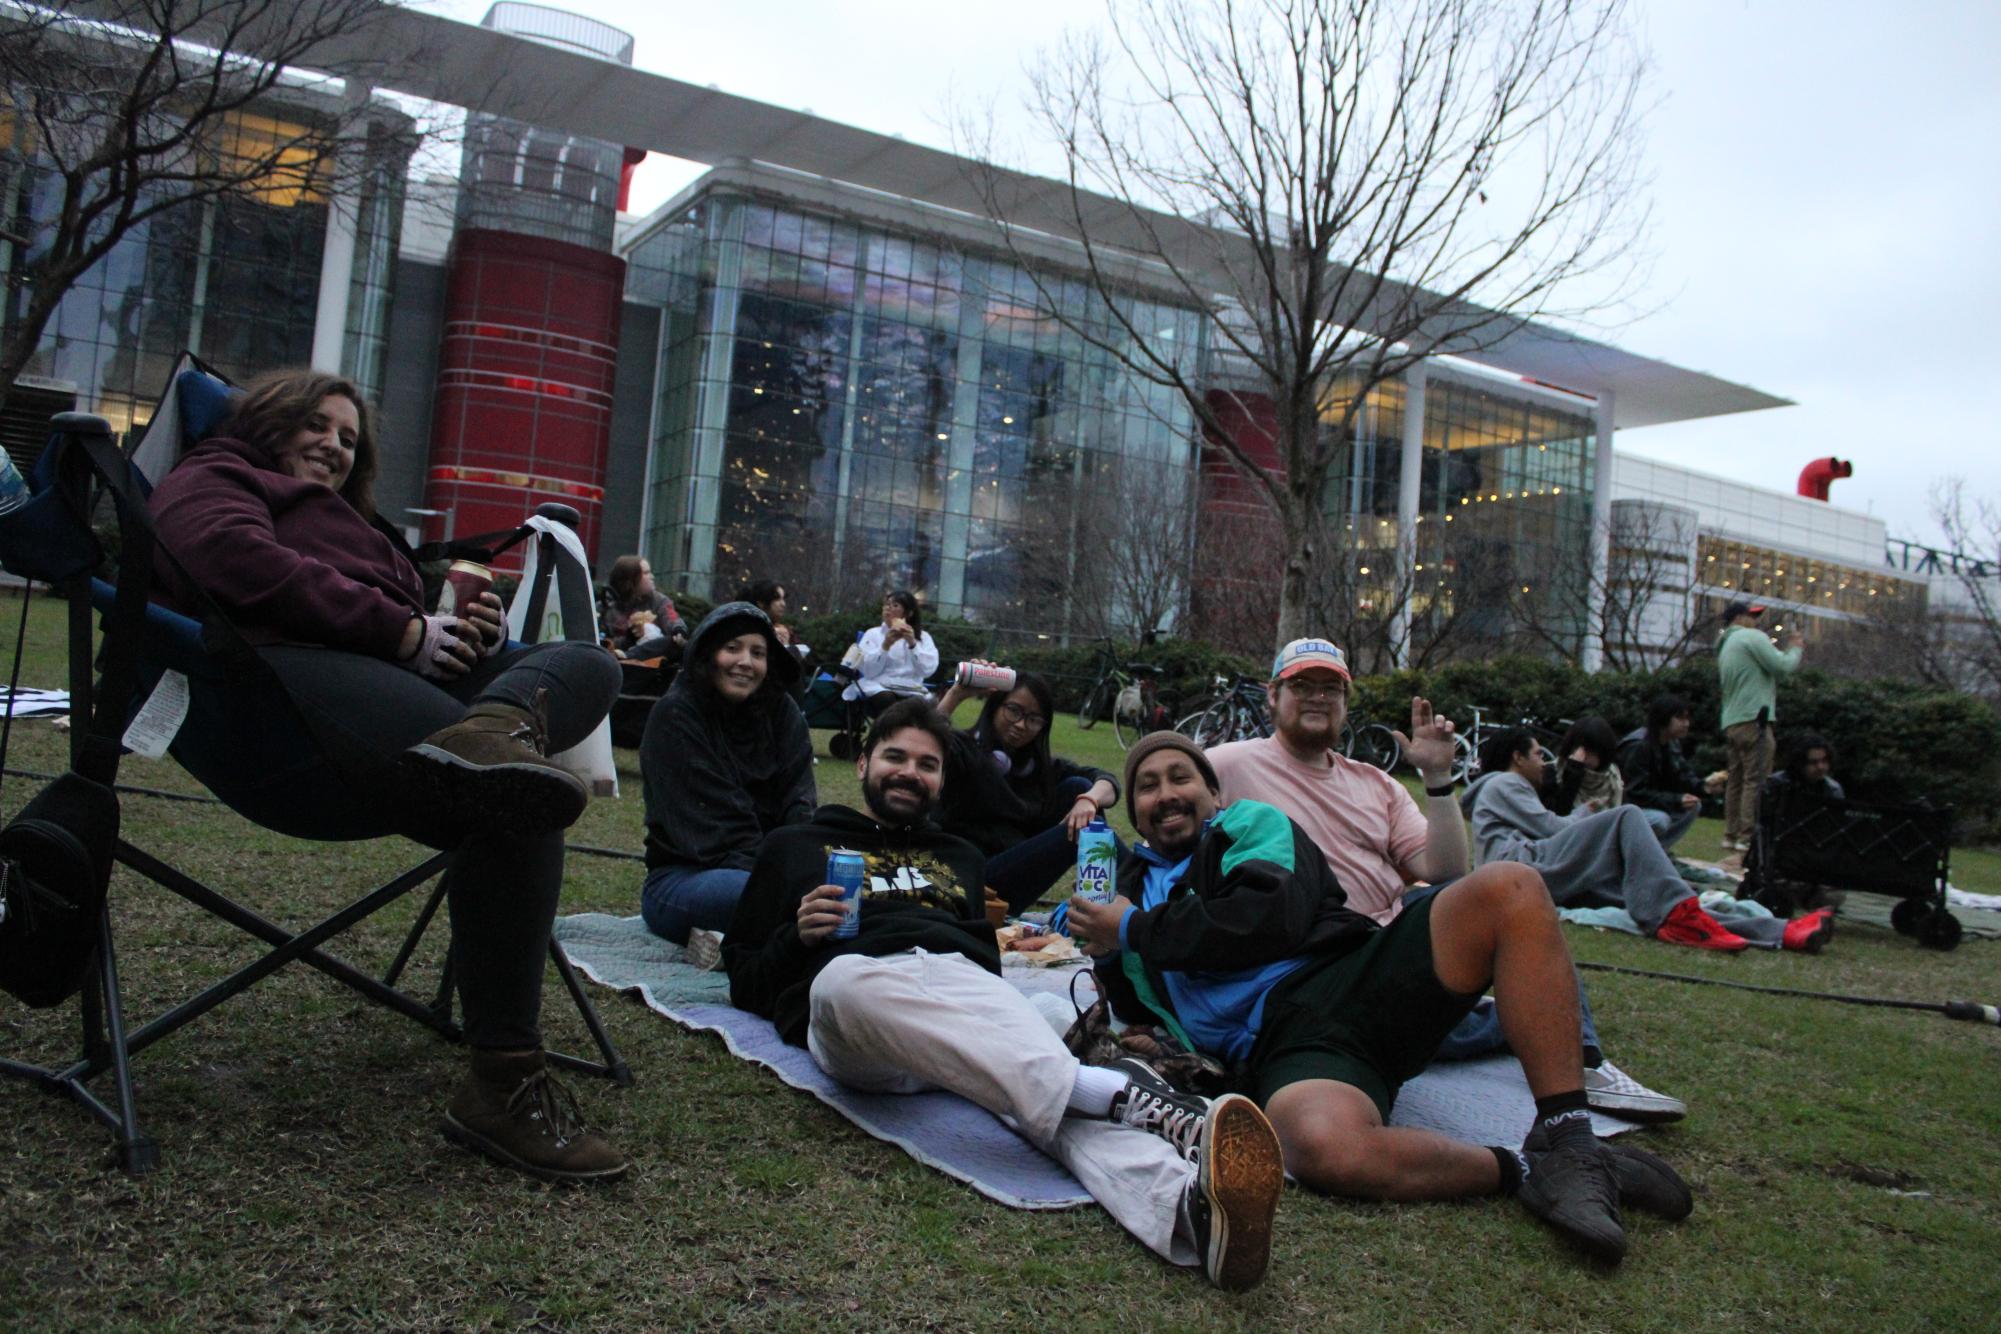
[1809, 762]
[1019, 804]
[1381, 845]
[913, 1000]
[1229, 929]
[1585, 775]
[726, 759]
[1658, 777]
[638, 620]
[1808, 759]
[1606, 858]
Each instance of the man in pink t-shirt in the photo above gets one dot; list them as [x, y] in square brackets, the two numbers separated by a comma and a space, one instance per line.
[1376, 838]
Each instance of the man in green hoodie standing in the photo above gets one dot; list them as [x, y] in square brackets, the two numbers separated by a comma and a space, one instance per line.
[1750, 665]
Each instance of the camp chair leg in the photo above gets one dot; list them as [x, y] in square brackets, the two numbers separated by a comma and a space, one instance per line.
[422, 925]
[288, 946]
[137, 1154]
[613, 1066]
[100, 1009]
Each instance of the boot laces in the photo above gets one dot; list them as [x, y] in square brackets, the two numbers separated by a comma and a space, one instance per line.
[540, 1098]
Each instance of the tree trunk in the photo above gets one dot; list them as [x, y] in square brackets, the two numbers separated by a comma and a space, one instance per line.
[1295, 600]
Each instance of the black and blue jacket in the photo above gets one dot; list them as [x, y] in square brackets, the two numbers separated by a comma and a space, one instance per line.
[1255, 892]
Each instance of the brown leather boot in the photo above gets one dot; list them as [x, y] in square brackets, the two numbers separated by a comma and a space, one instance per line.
[490, 768]
[512, 1110]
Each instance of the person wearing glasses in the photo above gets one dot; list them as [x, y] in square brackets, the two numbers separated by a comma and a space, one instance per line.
[1020, 805]
[1386, 850]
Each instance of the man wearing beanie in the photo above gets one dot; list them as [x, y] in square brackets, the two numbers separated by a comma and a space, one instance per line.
[1230, 930]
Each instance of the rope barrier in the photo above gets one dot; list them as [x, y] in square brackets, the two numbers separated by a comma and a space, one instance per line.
[1972, 1011]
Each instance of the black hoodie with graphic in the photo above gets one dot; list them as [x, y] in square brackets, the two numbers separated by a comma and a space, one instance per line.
[923, 892]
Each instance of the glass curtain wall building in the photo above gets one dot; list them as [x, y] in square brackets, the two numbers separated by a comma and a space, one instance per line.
[233, 278]
[846, 406]
[1502, 551]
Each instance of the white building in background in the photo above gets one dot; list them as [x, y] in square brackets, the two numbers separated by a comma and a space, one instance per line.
[1708, 540]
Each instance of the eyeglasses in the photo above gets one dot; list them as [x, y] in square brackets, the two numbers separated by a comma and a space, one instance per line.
[1021, 717]
[1316, 689]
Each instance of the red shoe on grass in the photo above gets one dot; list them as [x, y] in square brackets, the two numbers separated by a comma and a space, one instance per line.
[1687, 924]
[1807, 934]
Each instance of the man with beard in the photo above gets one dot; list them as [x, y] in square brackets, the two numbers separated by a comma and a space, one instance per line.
[1229, 929]
[1377, 840]
[914, 1001]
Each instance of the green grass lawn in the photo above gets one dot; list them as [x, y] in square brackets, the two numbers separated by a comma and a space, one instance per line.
[1845, 1160]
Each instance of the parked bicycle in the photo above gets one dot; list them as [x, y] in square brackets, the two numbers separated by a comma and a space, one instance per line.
[1234, 711]
[1123, 692]
[1466, 745]
[1372, 743]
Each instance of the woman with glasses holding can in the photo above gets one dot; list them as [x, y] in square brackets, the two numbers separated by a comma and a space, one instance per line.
[1009, 795]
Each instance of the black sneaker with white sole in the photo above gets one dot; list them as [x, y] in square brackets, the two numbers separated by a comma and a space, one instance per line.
[1150, 1103]
[1232, 1199]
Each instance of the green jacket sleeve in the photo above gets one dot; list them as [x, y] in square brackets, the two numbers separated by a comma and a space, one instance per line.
[1259, 911]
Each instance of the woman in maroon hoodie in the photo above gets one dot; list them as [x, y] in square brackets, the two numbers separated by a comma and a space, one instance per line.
[432, 727]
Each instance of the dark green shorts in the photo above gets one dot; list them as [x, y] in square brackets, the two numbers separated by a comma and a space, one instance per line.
[1372, 1017]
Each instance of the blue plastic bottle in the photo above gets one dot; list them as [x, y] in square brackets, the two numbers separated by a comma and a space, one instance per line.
[1097, 862]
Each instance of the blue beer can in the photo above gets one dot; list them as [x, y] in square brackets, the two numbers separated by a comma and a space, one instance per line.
[848, 870]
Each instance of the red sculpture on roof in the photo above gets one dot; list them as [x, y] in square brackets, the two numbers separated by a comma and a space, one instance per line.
[1817, 476]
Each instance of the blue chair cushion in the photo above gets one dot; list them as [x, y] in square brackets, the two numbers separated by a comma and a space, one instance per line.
[205, 401]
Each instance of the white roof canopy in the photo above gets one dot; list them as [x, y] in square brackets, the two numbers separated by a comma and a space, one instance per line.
[445, 61]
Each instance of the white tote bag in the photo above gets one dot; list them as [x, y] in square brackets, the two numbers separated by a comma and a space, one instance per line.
[570, 612]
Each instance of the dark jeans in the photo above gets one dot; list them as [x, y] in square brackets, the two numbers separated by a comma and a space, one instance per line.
[1023, 873]
[1479, 1033]
[503, 886]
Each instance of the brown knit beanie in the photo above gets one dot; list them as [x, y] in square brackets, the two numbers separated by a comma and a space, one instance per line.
[1165, 740]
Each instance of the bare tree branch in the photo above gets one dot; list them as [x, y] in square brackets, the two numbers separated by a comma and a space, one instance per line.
[137, 107]
[1380, 182]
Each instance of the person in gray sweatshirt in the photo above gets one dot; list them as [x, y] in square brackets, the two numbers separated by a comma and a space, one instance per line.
[1604, 858]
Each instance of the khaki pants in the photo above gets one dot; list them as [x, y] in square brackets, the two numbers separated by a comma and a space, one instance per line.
[1751, 746]
[908, 1023]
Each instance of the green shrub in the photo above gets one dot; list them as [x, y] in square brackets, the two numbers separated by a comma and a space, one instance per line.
[1894, 741]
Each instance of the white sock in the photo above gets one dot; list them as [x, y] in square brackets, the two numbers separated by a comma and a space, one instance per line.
[1094, 1090]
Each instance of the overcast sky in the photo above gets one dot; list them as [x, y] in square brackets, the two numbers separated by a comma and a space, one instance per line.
[1827, 183]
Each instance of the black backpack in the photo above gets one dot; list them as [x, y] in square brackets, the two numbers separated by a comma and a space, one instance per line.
[55, 862]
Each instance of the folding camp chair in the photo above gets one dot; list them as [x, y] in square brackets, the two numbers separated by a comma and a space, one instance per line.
[242, 736]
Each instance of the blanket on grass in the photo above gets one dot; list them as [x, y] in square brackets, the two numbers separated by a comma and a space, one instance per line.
[1482, 1102]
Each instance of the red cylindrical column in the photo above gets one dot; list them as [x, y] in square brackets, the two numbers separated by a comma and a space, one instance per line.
[525, 377]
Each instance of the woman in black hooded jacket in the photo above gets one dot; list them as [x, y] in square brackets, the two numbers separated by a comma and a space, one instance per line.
[726, 758]
[1011, 798]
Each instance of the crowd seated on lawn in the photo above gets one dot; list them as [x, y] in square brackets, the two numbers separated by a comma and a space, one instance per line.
[1291, 914]
[1022, 806]
[1606, 858]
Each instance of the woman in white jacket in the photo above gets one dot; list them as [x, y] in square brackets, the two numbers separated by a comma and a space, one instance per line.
[897, 656]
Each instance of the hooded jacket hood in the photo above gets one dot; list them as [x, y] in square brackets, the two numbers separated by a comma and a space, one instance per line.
[734, 618]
